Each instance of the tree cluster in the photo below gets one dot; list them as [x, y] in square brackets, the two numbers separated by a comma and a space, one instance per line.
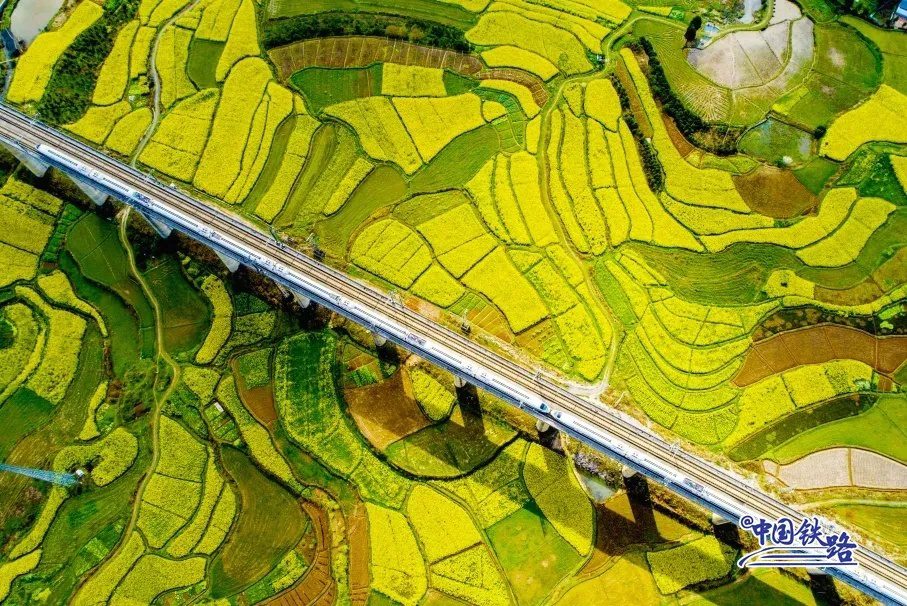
[717, 138]
[68, 94]
[306, 27]
[651, 166]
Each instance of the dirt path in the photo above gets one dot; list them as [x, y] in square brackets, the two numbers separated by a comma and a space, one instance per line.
[156, 109]
[161, 355]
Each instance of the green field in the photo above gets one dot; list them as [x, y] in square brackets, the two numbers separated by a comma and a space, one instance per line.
[880, 429]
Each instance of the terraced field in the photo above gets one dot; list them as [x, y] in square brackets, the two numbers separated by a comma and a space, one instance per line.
[710, 238]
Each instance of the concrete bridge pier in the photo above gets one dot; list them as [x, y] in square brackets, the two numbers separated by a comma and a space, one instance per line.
[37, 165]
[95, 194]
[460, 382]
[823, 587]
[229, 262]
[726, 531]
[717, 520]
[627, 472]
[162, 229]
[380, 340]
[303, 300]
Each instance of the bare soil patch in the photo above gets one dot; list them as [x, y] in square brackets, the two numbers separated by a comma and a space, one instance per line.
[819, 344]
[387, 411]
[357, 537]
[775, 192]
[317, 587]
[360, 51]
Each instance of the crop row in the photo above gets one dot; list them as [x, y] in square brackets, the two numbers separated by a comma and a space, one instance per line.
[221, 319]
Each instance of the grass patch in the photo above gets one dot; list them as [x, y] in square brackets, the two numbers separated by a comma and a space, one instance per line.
[816, 173]
[202, 65]
[879, 429]
[889, 522]
[534, 556]
[323, 86]
[762, 586]
[95, 246]
[270, 522]
[778, 143]
[184, 313]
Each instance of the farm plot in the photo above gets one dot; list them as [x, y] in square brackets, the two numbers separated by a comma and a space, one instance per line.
[361, 51]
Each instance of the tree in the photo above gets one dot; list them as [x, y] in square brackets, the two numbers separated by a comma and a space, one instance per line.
[692, 29]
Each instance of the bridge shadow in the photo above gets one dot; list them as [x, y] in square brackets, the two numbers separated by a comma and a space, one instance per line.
[628, 522]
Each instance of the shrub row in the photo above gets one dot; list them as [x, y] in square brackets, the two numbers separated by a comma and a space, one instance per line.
[654, 172]
[305, 27]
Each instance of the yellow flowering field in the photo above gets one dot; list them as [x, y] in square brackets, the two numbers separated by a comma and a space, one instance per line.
[640, 222]
[220, 523]
[241, 96]
[471, 576]
[496, 278]
[685, 182]
[524, 177]
[381, 133]
[666, 230]
[398, 569]
[357, 172]
[101, 584]
[221, 319]
[153, 575]
[57, 369]
[601, 103]
[391, 250]
[576, 179]
[176, 146]
[844, 245]
[443, 527]
[114, 74]
[14, 568]
[438, 287]
[521, 92]
[98, 121]
[275, 197]
[436, 399]
[90, 429]
[216, 20]
[242, 41]
[582, 340]
[871, 121]
[553, 484]
[58, 289]
[457, 238]
[274, 108]
[25, 228]
[506, 203]
[181, 545]
[171, 59]
[556, 188]
[412, 81]
[833, 212]
[433, 122]
[558, 46]
[34, 68]
[141, 51]
[513, 56]
[128, 131]
[700, 560]
[481, 188]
